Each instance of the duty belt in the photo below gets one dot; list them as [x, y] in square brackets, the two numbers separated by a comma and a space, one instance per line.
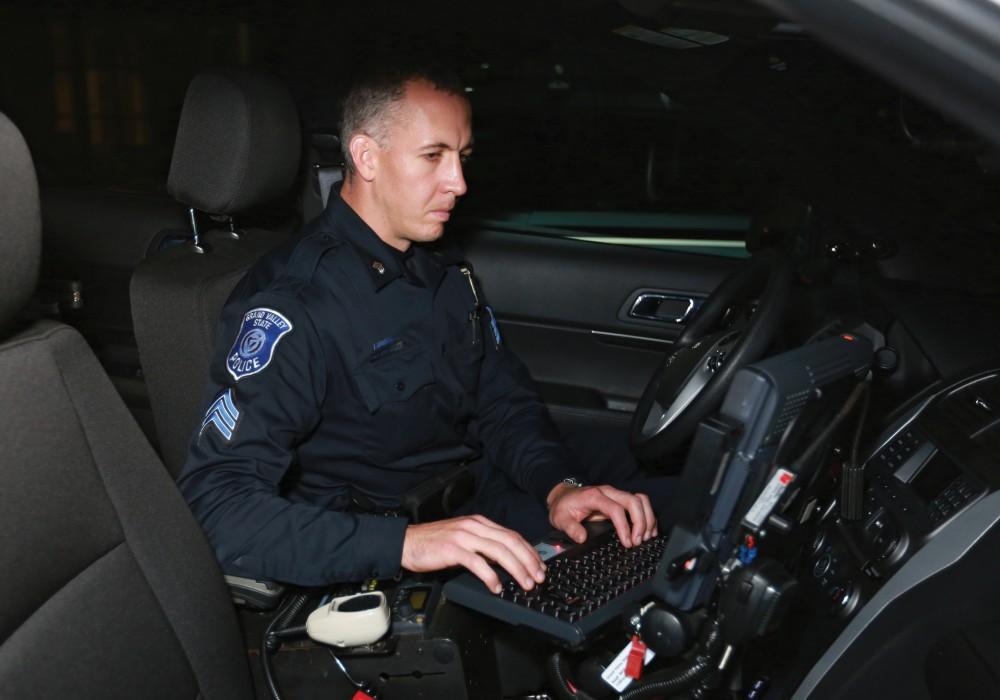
[434, 498]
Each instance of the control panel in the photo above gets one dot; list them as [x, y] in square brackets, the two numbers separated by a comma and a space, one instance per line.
[915, 484]
[413, 604]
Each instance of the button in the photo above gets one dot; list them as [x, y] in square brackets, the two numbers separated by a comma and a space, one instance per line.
[818, 541]
[400, 386]
[822, 566]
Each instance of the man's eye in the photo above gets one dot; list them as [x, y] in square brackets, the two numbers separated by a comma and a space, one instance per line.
[433, 156]
[465, 157]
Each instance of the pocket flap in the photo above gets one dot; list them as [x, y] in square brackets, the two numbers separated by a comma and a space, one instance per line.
[393, 377]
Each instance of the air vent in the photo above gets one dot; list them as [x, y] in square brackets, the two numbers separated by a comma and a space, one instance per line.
[973, 408]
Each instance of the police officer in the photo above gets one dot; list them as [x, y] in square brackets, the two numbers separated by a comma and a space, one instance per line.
[355, 362]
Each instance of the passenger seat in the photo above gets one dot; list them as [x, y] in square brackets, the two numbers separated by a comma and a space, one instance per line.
[109, 589]
[238, 147]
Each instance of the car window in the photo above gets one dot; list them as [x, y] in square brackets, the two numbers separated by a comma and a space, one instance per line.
[629, 140]
[98, 94]
[567, 145]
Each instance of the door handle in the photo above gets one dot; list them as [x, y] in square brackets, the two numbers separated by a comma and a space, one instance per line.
[670, 308]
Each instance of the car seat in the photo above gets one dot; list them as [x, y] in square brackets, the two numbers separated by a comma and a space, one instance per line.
[109, 588]
[323, 169]
[238, 147]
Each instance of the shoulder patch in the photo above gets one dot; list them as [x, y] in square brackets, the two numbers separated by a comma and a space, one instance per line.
[223, 415]
[259, 334]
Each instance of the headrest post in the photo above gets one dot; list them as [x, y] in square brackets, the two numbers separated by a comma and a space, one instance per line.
[234, 233]
[196, 243]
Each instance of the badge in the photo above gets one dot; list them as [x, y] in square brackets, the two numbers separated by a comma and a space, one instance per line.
[222, 414]
[255, 343]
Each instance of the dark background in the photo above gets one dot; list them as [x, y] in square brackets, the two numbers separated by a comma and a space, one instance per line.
[567, 113]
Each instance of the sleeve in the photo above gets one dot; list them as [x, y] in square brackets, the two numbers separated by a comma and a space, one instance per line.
[268, 381]
[512, 421]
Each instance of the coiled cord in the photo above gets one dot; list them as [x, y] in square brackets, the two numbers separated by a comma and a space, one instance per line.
[271, 640]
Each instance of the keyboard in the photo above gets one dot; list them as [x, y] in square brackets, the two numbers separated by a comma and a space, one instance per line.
[586, 585]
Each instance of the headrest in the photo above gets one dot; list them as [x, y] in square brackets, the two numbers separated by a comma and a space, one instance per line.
[323, 170]
[238, 142]
[20, 223]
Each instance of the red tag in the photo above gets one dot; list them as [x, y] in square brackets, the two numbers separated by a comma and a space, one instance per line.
[362, 695]
[636, 658]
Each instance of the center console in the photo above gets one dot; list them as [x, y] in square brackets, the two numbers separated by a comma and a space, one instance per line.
[928, 468]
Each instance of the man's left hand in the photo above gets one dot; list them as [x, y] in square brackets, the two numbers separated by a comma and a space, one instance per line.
[569, 506]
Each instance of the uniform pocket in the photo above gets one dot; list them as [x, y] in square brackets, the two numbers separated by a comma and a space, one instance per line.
[398, 391]
[393, 377]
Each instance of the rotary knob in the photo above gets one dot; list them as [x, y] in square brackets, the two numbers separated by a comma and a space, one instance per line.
[716, 360]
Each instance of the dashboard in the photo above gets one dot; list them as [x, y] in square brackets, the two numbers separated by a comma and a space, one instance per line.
[928, 468]
[917, 566]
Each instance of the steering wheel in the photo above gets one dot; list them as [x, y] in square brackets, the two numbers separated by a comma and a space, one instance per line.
[728, 332]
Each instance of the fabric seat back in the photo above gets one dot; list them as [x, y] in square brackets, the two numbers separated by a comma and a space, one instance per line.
[109, 588]
[238, 147]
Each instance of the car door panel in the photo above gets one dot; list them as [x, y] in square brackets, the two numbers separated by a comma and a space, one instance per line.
[563, 306]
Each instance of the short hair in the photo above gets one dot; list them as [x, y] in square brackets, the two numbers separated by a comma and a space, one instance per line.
[375, 95]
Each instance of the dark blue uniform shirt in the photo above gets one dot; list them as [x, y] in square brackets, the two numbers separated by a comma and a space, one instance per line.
[342, 364]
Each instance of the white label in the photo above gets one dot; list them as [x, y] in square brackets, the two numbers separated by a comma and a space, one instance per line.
[614, 674]
[767, 499]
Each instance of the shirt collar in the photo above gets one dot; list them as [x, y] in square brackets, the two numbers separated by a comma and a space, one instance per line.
[383, 262]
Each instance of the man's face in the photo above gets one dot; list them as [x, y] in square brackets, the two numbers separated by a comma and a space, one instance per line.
[419, 168]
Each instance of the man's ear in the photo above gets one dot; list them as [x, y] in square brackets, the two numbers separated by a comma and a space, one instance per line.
[363, 152]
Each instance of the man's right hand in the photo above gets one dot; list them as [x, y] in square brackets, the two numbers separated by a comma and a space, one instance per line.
[472, 541]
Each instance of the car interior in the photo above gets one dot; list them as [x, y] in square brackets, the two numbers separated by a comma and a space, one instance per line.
[702, 229]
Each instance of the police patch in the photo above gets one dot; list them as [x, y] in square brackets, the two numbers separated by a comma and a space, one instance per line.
[222, 414]
[255, 343]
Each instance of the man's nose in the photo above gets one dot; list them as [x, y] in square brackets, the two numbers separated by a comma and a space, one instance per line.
[455, 178]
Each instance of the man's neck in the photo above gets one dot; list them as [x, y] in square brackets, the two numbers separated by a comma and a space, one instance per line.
[360, 199]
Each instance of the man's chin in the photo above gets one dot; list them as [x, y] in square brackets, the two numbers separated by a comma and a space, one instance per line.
[429, 234]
